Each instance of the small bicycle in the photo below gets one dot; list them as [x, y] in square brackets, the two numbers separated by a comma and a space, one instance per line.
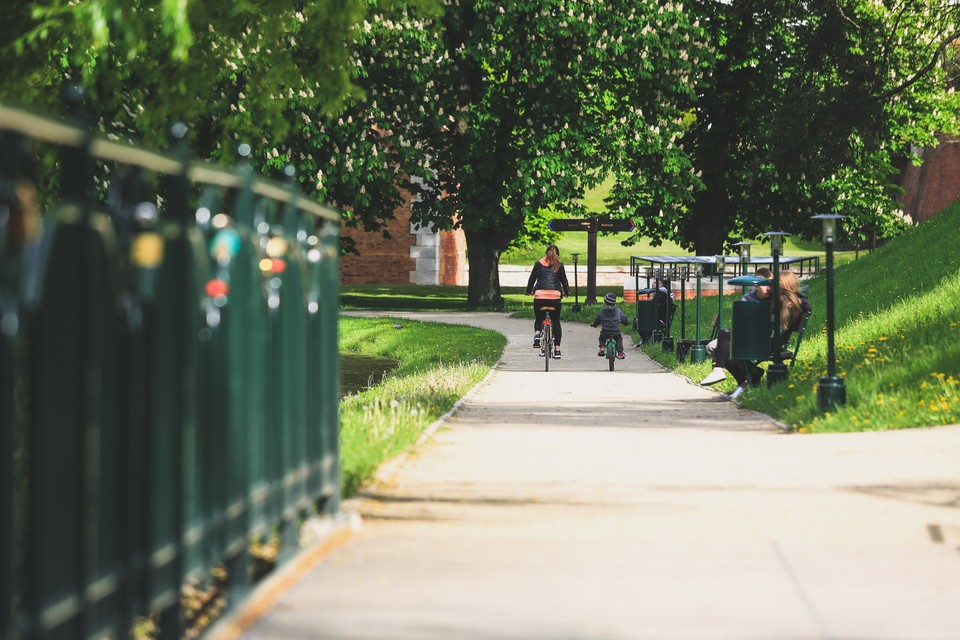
[611, 352]
[546, 339]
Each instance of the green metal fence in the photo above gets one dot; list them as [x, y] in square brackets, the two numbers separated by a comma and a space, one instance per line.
[168, 381]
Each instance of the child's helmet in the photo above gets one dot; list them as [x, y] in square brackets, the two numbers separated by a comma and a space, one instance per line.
[610, 298]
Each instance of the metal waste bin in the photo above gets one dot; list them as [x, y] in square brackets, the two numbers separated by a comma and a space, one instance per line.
[646, 315]
[750, 335]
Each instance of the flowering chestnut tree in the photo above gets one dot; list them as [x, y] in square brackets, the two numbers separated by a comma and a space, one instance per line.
[225, 68]
[493, 111]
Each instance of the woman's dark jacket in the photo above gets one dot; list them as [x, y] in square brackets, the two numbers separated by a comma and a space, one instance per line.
[542, 277]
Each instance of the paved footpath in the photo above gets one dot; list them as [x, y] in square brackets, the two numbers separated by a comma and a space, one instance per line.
[588, 504]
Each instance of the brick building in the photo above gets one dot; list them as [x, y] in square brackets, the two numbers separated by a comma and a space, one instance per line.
[935, 184]
[413, 255]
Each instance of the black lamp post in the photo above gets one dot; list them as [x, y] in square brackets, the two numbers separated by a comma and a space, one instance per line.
[777, 371]
[698, 353]
[576, 289]
[721, 265]
[744, 249]
[830, 390]
[668, 275]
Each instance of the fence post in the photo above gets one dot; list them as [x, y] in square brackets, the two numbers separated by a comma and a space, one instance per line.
[12, 159]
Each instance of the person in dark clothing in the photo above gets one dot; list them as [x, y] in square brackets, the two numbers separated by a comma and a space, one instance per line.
[609, 320]
[665, 308]
[547, 284]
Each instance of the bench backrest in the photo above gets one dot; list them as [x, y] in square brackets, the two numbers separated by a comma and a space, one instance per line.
[801, 328]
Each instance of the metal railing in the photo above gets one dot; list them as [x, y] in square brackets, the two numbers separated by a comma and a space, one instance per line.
[168, 381]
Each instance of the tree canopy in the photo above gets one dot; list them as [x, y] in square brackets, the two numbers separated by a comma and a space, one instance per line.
[809, 109]
[223, 67]
[498, 110]
[716, 119]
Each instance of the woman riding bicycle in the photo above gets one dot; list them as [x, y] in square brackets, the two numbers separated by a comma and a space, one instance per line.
[547, 284]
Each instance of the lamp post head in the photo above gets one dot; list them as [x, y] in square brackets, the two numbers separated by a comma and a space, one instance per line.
[829, 221]
[776, 241]
[576, 257]
[721, 263]
[744, 249]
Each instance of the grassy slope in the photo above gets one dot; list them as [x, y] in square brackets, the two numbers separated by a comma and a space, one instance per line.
[898, 339]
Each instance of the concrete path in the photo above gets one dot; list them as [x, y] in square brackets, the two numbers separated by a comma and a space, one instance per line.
[588, 504]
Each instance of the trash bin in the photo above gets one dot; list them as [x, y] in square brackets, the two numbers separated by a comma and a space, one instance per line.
[646, 315]
[750, 334]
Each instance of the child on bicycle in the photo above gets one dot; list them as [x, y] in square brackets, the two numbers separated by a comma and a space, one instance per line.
[609, 320]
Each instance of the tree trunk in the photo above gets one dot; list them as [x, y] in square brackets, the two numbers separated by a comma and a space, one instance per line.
[483, 254]
[709, 223]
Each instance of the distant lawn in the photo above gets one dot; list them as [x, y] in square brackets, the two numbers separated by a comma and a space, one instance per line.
[611, 252]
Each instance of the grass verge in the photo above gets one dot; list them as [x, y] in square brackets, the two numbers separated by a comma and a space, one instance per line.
[438, 364]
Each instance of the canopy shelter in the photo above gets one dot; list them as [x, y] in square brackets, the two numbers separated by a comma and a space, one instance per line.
[684, 267]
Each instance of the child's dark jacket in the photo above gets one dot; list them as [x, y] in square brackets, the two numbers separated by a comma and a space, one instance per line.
[610, 319]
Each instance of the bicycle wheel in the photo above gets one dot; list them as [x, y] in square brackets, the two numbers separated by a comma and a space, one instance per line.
[611, 353]
[547, 342]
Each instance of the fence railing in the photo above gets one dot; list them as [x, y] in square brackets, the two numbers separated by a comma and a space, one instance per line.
[168, 382]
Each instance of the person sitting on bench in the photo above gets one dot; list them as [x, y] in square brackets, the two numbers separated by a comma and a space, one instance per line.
[792, 309]
[665, 308]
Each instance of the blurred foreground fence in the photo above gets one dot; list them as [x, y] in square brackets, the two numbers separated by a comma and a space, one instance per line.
[168, 360]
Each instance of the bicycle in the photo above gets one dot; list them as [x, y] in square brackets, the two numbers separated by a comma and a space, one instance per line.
[546, 339]
[611, 352]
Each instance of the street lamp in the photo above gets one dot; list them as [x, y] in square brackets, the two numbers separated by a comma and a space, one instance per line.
[777, 371]
[744, 249]
[576, 289]
[698, 353]
[830, 390]
[669, 275]
[721, 264]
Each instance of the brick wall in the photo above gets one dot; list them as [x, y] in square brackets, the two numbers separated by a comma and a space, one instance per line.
[935, 184]
[411, 255]
[453, 258]
[380, 261]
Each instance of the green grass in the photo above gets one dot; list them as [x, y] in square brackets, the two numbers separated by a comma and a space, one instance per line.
[412, 297]
[610, 251]
[897, 340]
[438, 364]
